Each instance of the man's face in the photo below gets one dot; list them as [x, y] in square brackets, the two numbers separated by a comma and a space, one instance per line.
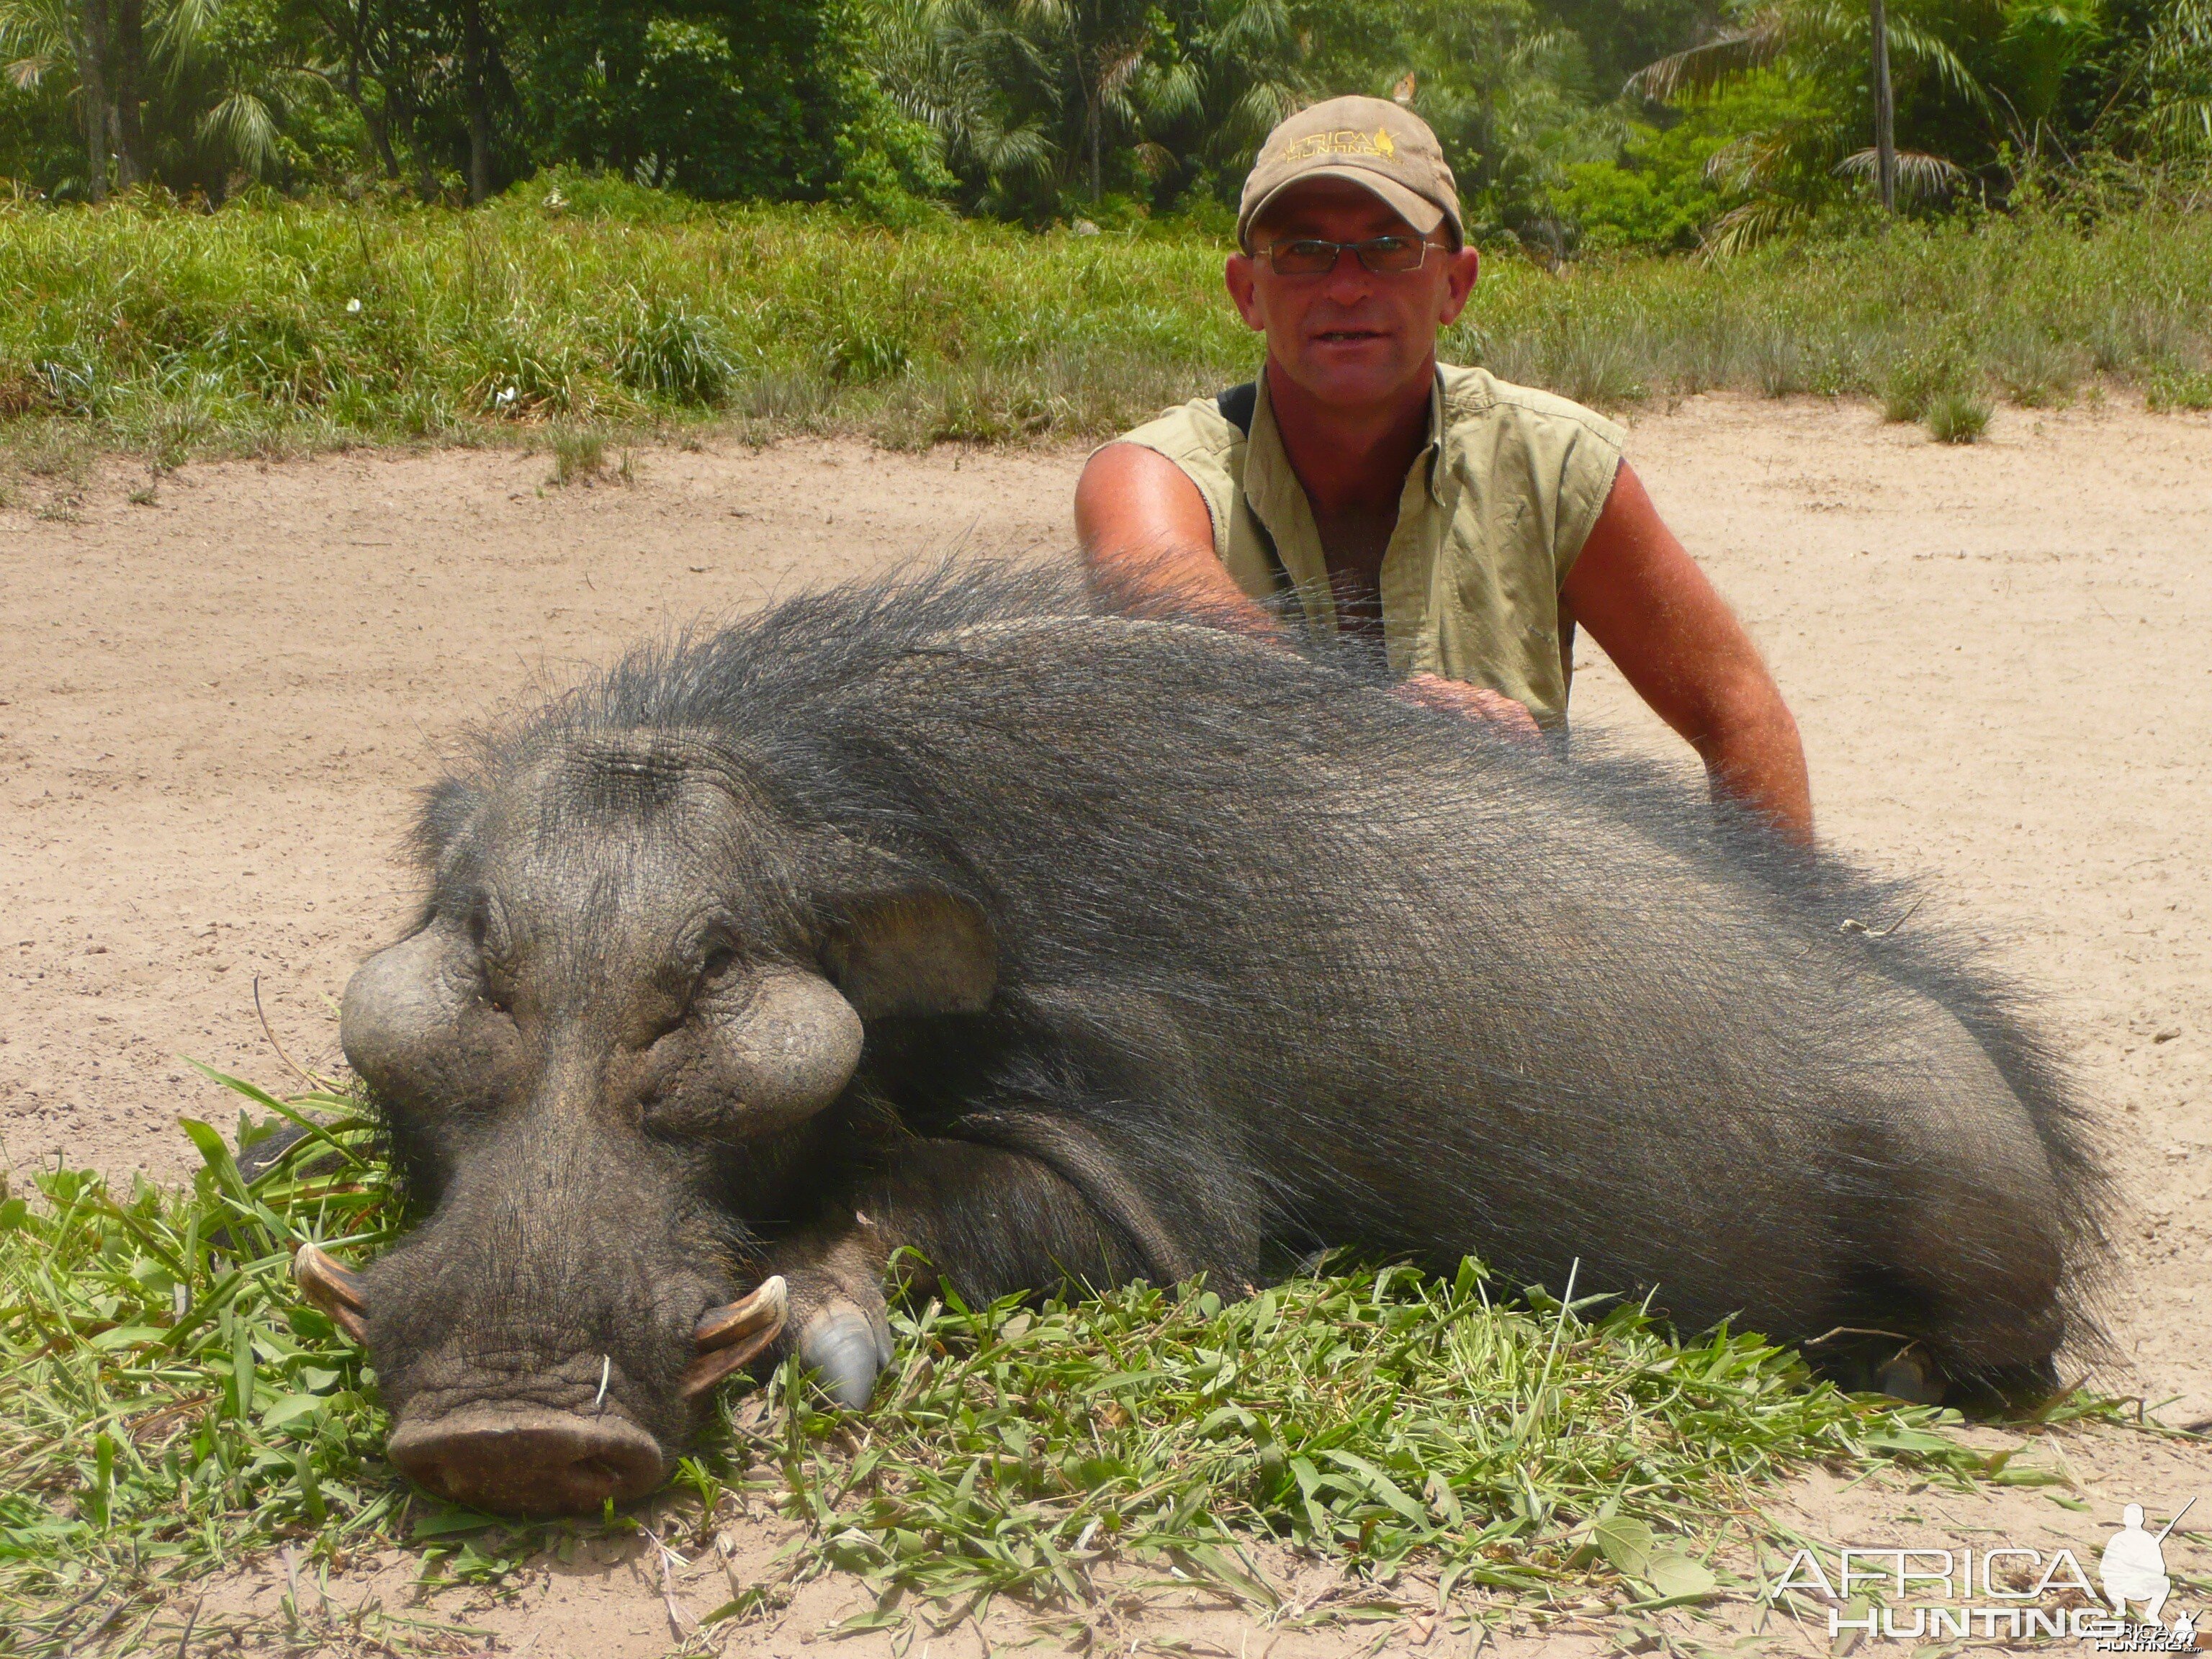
[1351, 339]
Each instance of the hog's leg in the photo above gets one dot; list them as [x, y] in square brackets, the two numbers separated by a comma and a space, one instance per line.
[985, 1221]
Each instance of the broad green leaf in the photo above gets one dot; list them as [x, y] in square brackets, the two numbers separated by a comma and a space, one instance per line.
[1678, 1577]
[1626, 1543]
[288, 1407]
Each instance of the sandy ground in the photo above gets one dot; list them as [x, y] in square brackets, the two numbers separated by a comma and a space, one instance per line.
[214, 709]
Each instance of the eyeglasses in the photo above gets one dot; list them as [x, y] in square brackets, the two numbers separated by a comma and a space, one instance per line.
[1385, 256]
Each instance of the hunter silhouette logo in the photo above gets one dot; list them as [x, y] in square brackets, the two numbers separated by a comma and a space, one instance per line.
[2132, 1568]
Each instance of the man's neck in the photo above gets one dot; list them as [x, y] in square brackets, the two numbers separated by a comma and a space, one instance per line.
[1351, 459]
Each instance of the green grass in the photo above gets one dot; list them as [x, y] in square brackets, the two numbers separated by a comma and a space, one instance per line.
[1957, 418]
[577, 455]
[168, 1406]
[2181, 389]
[278, 325]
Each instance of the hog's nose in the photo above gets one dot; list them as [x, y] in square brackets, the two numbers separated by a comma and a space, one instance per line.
[530, 1461]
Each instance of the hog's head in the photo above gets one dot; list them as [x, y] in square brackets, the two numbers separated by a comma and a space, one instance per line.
[636, 986]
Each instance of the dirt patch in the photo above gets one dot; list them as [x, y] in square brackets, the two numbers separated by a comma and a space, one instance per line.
[213, 710]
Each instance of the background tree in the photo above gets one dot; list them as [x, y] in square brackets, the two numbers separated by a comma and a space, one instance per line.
[1746, 116]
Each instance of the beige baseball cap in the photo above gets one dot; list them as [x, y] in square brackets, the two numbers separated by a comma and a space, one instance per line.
[1372, 142]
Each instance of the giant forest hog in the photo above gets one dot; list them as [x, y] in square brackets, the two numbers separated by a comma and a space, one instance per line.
[1065, 945]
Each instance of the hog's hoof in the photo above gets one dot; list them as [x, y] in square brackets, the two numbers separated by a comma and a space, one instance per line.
[1910, 1377]
[848, 1351]
[1879, 1368]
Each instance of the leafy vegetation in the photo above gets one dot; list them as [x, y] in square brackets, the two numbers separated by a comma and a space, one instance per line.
[581, 302]
[166, 1403]
[168, 1408]
[439, 98]
[1560, 117]
[1418, 1431]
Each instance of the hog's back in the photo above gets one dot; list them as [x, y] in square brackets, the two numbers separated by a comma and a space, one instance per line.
[1444, 992]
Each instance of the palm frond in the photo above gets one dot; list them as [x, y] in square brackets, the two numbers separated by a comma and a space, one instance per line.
[242, 127]
[182, 36]
[2182, 125]
[42, 33]
[1755, 162]
[1023, 152]
[1154, 160]
[1118, 63]
[1920, 176]
[1913, 45]
[1056, 16]
[1174, 92]
[1702, 69]
[1253, 27]
[1263, 104]
[2183, 31]
[1741, 228]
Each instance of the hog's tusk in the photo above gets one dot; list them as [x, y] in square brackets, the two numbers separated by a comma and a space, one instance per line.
[708, 1368]
[765, 1307]
[730, 1337]
[332, 1289]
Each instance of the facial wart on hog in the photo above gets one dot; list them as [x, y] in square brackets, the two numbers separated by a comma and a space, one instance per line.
[974, 914]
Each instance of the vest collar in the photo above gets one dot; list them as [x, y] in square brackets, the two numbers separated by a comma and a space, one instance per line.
[1267, 464]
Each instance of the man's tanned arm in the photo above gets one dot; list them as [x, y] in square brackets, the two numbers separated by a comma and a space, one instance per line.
[1144, 527]
[1673, 638]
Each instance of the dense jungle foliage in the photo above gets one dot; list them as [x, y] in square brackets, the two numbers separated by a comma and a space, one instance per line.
[1574, 125]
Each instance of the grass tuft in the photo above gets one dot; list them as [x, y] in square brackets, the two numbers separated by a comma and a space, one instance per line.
[1957, 418]
[2037, 372]
[1913, 382]
[2181, 388]
[168, 1406]
[1398, 1424]
[676, 353]
[580, 455]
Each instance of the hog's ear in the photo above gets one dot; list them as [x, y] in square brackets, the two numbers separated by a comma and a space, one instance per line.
[447, 807]
[913, 953]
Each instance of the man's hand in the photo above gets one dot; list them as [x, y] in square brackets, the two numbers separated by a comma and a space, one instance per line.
[1475, 701]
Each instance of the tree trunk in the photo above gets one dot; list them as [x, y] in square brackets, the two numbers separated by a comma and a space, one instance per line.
[1094, 114]
[377, 121]
[1884, 113]
[475, 56]
[403, 115]
[127, 58]
[380, 140]
[91, 81]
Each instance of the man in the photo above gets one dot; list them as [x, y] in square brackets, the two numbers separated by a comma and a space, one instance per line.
[2133, 1567]
[1471, 524]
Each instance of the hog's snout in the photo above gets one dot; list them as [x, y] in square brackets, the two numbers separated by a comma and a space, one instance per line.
[532, 1461]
